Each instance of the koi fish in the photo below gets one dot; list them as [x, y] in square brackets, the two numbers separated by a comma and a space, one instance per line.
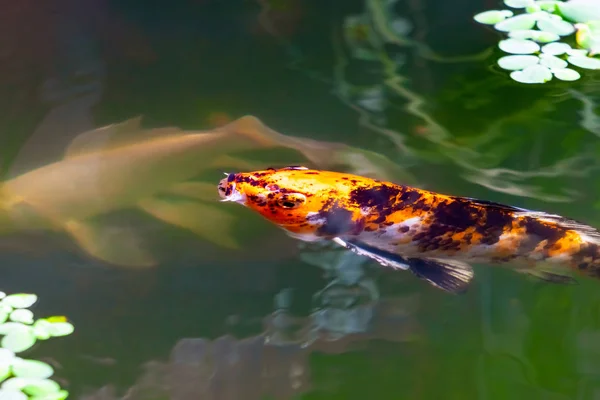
[122, 166]
[435, 236]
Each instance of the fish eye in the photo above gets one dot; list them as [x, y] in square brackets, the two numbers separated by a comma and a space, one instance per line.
[291, 200]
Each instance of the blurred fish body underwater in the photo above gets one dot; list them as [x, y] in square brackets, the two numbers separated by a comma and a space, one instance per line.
[124, 166]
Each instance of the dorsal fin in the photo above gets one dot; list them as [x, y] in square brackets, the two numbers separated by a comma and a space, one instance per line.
[115, 135]
[254, 128]
[491, 204]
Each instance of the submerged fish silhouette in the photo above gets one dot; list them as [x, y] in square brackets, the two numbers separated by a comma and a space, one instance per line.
[123, 166]
[433, 235]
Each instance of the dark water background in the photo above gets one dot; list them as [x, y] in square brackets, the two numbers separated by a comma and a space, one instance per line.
[460, 127]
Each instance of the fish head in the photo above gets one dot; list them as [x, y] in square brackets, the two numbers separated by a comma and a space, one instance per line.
[308, 204]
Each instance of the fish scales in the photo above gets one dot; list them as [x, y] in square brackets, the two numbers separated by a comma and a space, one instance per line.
[394, 223]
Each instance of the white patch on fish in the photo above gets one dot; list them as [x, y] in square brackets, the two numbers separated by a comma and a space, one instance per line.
[385, 238]
[315, 218]
[236, 196]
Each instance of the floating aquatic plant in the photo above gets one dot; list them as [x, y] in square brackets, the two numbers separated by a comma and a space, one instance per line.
[537, 38]
[21, 378]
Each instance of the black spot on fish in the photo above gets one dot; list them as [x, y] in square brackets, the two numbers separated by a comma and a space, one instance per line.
[459, 214]
[456, 214]
[467, 238]
[383, 200]
[421, 205]
[410, 197]
[380, 218]
[492, 225]
[338, 221]
[379, 196]
[259, 201]
[543, 231]
[247, 179]
[588, 259]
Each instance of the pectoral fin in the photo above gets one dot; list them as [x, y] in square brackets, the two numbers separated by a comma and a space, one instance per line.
[115, 245]
[382, 257]
[451, 276]
[208, 222]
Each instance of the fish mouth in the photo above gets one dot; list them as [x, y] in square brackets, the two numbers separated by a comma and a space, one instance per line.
[228, 192]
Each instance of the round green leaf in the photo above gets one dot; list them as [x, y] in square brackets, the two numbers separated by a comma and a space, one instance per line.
[5, 308]
[61, 395]
[18, 341]
[577, 52]
[41, 330]
[22, 315]
[12, 395]
[538, 36]
[579, 11]
[518, 46]
[533, 8]
[6, 357]
[566, 74]
[493, 16]
[518, 23]
[559, 27]
[513, 63]
[547, 5]
[20, 300]
[584, 62]
[10, 327]
[60, 329]
[556, 49]
[518, 3]
[551, 61]
[31, 369]
[14, 384]
[2, 295]
[539, 15]
[3, 317]
[532, 74]
[39, 387]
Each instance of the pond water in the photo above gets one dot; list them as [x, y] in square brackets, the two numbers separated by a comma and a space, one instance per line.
[416, 98]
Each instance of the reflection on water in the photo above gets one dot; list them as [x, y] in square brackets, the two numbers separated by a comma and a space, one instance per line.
[277, 362]
[228, 307]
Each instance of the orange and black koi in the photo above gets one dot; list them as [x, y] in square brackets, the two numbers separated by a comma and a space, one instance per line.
[433, 235]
